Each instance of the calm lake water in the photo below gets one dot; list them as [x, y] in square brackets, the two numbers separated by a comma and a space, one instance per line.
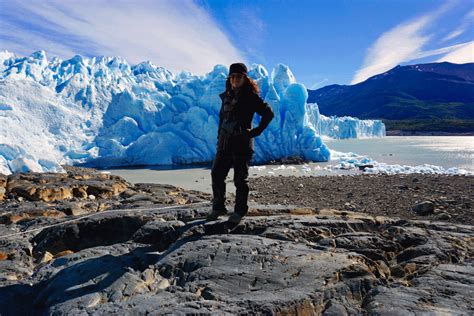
[445, 151]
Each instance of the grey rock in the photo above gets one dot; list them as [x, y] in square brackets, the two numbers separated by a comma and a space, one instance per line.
[279, 260]
[424, 208]
[442, 216]
[101, 230]
[160, 233]
[446, 289]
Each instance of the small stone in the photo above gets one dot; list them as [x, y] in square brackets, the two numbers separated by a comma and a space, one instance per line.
[163, 284]
[47, 257]
[410, 268]
[91, 197]
[424, 208]
[128, 193]
[442, 216]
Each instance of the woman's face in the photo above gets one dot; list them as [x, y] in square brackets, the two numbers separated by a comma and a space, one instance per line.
[236, 80]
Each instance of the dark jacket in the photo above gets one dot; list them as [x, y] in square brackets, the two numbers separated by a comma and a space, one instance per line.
[243, 109]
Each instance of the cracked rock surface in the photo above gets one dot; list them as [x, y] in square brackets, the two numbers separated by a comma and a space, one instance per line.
[280, 260]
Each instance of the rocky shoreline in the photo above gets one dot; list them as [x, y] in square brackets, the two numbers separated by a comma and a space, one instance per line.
[397, 132]
[405, 196]
[146, 249]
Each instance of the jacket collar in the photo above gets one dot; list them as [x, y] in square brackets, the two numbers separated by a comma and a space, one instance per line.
[223, 95]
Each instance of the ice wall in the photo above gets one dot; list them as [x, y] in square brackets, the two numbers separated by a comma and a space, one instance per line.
[343, 127]
[105, 112]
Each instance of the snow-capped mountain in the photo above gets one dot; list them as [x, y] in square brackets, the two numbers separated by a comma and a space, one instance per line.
[105, 112]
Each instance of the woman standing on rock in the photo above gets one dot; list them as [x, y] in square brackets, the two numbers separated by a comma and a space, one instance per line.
[235, 135]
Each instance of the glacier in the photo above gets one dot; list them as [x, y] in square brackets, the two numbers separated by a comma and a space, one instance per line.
[104, 112]
[342, 127]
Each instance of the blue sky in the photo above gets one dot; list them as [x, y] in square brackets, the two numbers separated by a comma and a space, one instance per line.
[323, 42]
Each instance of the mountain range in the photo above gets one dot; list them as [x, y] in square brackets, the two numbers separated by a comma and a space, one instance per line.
[435, 97]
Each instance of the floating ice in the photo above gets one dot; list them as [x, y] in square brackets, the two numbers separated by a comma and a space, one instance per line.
[352, 160]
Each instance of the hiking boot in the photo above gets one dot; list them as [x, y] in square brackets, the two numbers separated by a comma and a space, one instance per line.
[235, 218]
[214, 214]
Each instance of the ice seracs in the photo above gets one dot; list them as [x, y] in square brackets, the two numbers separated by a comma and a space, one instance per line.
[105, 112]
[343, 127]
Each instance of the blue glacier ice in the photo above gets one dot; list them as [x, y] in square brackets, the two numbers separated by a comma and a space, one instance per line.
[343, 127]
[104, 112]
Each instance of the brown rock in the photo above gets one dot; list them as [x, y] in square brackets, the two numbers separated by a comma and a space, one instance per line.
[47, 257]
[21, 188]
[63, 253]
[80, 192]
[3, 180]
[3, 256]
[11, 218]
[410, 268]
[105, 189]
[50, 187]
[53, 193]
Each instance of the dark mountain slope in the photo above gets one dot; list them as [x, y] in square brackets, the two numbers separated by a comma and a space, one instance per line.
[432, 92]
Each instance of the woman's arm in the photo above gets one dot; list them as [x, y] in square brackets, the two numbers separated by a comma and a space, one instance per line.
[264, 110]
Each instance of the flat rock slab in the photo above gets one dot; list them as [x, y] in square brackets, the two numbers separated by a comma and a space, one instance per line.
[221, 273]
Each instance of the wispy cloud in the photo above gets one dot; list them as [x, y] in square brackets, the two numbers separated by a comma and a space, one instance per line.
[179, 35]
[405, 42]
[465, 24]
[463, 54]
[248, 28]
[319, 83]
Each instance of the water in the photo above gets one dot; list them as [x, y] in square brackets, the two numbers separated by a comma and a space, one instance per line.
[445, 151]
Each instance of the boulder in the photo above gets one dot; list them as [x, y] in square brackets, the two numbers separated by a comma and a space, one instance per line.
[424, 208]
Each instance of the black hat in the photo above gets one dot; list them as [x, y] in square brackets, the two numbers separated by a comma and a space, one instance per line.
[238, 67]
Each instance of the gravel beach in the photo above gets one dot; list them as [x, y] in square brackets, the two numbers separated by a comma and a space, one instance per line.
[439, 197]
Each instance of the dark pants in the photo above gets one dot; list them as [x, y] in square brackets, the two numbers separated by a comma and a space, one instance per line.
[221, 165]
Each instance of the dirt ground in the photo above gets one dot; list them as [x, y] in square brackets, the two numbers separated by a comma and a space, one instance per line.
[387, 195]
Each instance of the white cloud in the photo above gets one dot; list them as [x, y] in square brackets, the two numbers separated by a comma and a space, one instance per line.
[318, 84]
[467, 20]
[404, 42]
[247, 26]
[179, 35]
[393, 47]
[463, 54]
[438, 51]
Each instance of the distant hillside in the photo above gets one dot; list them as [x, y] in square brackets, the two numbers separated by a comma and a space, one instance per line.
[424, 97]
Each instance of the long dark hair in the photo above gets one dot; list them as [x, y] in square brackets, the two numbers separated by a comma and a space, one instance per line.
[249, 85]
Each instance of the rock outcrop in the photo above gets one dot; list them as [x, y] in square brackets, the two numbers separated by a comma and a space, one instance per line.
[279, 260]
